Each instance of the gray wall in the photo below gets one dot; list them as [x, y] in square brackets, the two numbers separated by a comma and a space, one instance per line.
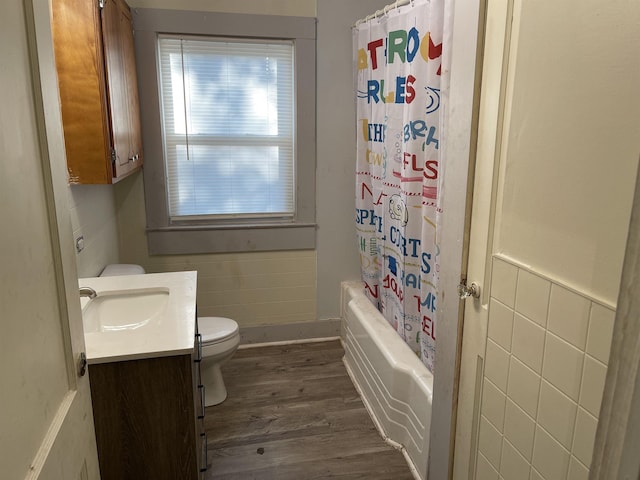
[337, 255]
[93, 215]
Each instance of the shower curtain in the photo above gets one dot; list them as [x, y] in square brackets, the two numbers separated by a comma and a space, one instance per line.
[399, 168]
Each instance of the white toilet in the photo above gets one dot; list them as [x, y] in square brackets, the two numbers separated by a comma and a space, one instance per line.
[117, 269]
[220, 339]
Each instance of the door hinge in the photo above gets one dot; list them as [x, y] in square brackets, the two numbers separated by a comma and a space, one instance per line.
[82, 364]
[113, 156]
[465, 291]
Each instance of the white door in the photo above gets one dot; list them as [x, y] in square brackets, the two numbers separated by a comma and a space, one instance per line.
[497, 19]
[46, 422]
[532, 400]
[462, 49]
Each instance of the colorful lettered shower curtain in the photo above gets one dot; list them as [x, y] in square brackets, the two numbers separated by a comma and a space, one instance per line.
[399, 166]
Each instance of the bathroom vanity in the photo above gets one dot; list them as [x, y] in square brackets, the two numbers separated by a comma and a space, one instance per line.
[144, 354]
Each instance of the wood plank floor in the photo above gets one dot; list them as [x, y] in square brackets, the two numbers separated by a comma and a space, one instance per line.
[293, 414]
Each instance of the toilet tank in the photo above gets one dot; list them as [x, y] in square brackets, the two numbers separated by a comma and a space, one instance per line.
[116, 269]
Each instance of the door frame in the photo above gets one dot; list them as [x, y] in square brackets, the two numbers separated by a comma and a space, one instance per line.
[615, 453]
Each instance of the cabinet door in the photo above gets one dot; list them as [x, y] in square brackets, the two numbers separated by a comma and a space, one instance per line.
[135, 133]
[80, 67]
[122, 87]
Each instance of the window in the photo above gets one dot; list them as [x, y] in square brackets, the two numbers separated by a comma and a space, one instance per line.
[228, 127]
[229, 131]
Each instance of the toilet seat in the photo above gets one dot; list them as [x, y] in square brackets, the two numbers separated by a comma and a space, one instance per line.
[216, 329]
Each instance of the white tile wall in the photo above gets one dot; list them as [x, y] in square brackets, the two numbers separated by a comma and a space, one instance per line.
[490, 441]
[493, 404]
[485, 470]
[528, 342]
[550, 459]
[501, 324]
[592, 385]
[535, 475]
[557, 413]
[545, 366]
[577, 471]
[569, 316]
[496, 366]
[600, 331]
[532, 297]
[524, 386]
[503, 282]
[519, 429]
[513, 466]
[563, 365]
[585, 436]
[256, 288]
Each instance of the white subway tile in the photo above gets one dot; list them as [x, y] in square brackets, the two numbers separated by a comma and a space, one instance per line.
[490, 442]
[493, 404]
[524, 386]
[562, 366]
[549, 457]
[557, 414]
[484, 470]
[569, 316]
[592, 389]
[532, 297]
[577, 471]
[497, 365]
[513, 466]
[528, 342]
[500, 324]
[600, 332]
[519, 429]
[585, 436]
[535, 475]
[503, 282]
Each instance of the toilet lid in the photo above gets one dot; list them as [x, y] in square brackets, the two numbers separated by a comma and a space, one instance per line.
[216, 329]
[116, 269]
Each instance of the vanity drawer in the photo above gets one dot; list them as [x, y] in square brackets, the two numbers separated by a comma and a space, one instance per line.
[204, 459]
[199, 396]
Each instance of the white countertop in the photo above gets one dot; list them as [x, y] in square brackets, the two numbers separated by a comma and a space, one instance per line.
[173, 334]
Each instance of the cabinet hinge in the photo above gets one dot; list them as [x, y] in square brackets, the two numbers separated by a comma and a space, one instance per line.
[113, 155]
[101, 4]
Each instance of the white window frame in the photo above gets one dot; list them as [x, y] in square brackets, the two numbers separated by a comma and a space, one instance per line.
[241, 235]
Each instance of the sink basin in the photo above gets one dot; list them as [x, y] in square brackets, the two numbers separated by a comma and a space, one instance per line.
[113, 311]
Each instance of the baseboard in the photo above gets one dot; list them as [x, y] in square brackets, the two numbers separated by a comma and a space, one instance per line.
[290, 332]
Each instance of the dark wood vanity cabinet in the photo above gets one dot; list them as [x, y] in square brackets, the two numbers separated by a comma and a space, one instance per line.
[149, 417]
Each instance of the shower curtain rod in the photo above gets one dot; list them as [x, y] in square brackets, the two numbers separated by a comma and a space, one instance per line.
[379, 13]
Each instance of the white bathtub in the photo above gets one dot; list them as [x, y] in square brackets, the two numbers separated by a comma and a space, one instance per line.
[395, 385]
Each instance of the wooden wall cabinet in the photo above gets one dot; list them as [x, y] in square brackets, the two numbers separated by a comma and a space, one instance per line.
[149, 418]
[95, 61]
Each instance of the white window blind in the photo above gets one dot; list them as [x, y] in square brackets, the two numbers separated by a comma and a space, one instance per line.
[228, 127]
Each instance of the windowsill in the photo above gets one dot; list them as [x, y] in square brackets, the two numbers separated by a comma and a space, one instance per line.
[198, 239]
